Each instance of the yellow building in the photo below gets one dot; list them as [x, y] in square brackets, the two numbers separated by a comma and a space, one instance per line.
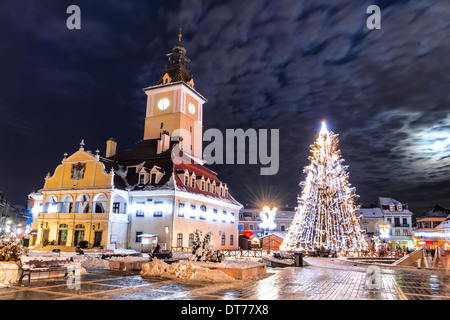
[159, 191]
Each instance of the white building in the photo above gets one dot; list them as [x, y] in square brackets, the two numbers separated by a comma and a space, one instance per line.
[392, 214]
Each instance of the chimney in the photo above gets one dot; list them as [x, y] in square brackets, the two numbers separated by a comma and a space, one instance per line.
[164, 142]
[111, 146]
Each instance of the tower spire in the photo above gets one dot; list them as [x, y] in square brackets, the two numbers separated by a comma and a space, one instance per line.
[180, 35]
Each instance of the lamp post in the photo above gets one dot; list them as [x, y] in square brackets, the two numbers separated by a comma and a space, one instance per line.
[385, 232]
[268, 216]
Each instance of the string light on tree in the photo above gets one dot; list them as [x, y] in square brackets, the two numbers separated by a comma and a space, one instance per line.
[326, 212]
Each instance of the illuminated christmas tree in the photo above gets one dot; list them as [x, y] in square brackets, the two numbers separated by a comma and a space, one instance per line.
[326, 213]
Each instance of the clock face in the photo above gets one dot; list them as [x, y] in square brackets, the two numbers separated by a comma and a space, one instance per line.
[191, 108]
[163, 104]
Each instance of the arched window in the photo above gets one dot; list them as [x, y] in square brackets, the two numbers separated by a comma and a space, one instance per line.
[51, 204]
[63, 226]
[79, 226]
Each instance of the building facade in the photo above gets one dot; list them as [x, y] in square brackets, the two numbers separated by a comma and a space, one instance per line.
[250, 232]
[429, 230]
[387, 223]
[158, 192]
[14, 220]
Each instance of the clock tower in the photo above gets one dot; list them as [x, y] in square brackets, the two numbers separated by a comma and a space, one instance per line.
[174, 107]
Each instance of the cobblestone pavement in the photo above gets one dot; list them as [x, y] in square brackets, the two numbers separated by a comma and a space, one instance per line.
[324, 279]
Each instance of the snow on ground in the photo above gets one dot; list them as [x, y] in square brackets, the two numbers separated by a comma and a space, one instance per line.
[185, 270]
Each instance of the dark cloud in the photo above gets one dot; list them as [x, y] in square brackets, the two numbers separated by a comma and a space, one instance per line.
[261, 64]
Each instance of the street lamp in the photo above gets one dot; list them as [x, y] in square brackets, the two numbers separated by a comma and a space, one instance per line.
[267, 216]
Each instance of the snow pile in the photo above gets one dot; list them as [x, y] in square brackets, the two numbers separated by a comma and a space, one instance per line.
[230, 264]
[8, 274]
[129, 259]
[183, 270]
[95, 263]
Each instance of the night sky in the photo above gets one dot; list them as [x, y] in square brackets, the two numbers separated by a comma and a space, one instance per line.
[285, 64]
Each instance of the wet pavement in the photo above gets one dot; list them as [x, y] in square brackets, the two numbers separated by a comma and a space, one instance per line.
[324, 279]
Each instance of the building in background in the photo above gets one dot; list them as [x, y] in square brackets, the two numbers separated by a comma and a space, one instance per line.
[430, 230]
[15, 222]
[387, 222]
[371, 218]
[250, 232]
[158, 192]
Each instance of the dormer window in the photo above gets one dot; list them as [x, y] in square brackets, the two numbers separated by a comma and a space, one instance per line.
[399, 207]
[186, 180]
[193, 181]
[142, 178]
[153, 178]
[392, 207]
[208, 186]
[203, 185]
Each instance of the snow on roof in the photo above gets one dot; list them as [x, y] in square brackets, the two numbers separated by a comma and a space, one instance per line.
[276, 233]
[371, 212]
[384, 201]
[444, 224]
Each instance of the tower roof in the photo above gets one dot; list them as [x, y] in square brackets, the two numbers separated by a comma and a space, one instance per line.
[177, 68]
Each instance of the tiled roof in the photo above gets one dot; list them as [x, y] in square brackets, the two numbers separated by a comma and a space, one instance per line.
[145, 156]
[176, 73]
[371, 212]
